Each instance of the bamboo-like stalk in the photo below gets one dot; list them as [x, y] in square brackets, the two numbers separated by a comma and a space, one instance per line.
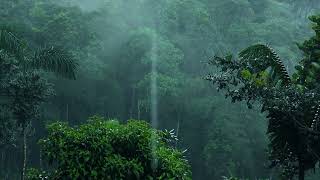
[24, 150]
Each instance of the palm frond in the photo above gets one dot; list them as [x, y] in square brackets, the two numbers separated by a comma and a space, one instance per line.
[260, 57]
[11, 44]
[55, 60]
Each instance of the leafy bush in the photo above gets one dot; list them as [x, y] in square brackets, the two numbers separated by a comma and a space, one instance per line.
[104, 149]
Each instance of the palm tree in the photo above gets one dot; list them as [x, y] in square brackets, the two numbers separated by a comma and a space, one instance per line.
[29, 62]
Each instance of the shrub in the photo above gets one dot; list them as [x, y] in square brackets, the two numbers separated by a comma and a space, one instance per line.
[106, 149]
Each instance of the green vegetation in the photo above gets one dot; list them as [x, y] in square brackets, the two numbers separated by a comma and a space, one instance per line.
[292, 107]
[104, 149]
[23, 85]
[101, 64]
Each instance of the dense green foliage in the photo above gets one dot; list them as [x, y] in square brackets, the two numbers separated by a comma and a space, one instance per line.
[292, 107]
[104, 149]
[116, 42]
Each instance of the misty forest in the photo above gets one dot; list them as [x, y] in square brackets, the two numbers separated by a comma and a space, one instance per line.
[160, 89]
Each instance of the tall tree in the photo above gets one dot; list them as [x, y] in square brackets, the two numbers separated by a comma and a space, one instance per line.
[291, 106]
[25, 84]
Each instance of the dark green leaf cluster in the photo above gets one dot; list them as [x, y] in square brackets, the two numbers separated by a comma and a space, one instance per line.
[308, 70]
[27, 90]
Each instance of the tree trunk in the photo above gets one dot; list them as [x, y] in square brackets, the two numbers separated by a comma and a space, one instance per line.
[2, 162]
[67, 112]
[24, 150]
[139, 111]
[40, 159]
[178, 127]
[133, 94]
[301, 170]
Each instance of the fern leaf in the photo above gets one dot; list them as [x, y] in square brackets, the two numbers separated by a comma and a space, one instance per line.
[260, 57]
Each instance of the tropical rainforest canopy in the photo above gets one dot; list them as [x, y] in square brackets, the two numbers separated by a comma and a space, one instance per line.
[160, 89]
